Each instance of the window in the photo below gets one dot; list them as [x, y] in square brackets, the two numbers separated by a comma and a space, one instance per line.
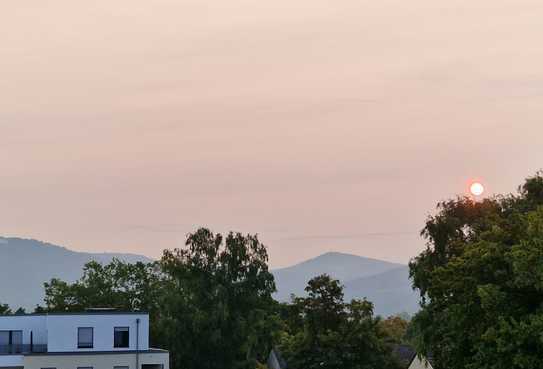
[11, 337]
[11, 342]
[152, 366]
[85, 339]
[121, 367]
[84, 367]
[4, 338]
[121, 337]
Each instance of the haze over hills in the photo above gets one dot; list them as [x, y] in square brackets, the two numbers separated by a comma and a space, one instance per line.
[390, 292]
[26, 264]
[341, 266]
[386, 284]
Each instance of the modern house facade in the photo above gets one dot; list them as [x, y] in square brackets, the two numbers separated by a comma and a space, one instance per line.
[89, 340]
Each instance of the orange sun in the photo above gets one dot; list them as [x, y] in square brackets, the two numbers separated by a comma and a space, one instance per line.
[476, 189]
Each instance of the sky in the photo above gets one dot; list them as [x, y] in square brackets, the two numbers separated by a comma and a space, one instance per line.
[322, 125]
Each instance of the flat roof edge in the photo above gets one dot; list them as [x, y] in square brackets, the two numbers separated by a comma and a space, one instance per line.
[77, 313]
[77, 353]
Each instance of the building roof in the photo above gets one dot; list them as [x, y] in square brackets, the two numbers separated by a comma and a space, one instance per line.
[405, 354]
[282, 363]
[91, 312]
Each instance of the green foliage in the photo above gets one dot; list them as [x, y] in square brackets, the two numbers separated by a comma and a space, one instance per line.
[120, 285]
[481, 282]
[5, 309]
[334, 334]
[124, 286]
[219, 300]
[210, 303]
[395, 329]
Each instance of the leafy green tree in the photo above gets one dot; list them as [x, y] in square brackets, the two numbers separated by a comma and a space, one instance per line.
[335, 334]
[5, 309]
[481, 282]
[210, 303]
[395, 328]
[218, 306]
[117, 284]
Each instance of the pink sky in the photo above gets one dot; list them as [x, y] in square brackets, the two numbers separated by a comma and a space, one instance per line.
[321, 125]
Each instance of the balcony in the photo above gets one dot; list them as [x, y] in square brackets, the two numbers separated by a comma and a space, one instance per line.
[22, 349]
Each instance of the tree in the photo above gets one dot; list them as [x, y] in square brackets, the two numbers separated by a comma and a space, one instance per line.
[210, 302]
[119, 285]
[335, 334]
[395, 328]
[481, 282]
[5, 309]
[218, 306]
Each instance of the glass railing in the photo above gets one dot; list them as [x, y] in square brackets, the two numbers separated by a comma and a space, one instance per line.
[22, 349]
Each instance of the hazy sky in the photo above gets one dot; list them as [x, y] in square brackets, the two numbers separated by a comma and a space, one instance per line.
[321, 125]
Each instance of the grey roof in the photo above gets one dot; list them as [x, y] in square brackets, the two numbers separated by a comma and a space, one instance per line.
[92, 312]
[405, 354]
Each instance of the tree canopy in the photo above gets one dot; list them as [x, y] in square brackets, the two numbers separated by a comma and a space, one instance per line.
[334, 334]
[219, 300]
[5, 309]
[481, 282]
[210, 303]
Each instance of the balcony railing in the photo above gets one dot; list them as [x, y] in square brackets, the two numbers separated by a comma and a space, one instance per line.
[22, 349]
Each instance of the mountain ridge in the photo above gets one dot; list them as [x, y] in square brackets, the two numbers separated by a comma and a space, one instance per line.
[384, 283]
[25, 264]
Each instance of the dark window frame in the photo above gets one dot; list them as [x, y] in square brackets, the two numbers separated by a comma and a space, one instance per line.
[85, 345]
[115, 345]
[10, 335]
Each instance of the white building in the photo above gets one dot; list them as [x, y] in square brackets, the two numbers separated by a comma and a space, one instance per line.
[420, 363]
[89, 340]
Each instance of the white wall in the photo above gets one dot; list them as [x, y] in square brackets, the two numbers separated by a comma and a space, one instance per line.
[62, 331]
[11, 360]
[26, 323]
[105, 361]
[420, 364]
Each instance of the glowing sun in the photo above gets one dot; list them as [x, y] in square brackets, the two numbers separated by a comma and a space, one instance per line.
[476, 189]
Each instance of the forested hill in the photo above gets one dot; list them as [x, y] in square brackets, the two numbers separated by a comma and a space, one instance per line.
[386, 284]
[26, 264]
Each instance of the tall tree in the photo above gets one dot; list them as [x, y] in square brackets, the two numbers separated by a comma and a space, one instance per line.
[219, 305]
[481, 282]
[210, 302]
[334, 334]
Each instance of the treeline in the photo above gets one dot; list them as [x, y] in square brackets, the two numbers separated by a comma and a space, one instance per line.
[210, 302]
[211, 306]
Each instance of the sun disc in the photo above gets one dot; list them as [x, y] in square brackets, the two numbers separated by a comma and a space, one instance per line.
[476, 189]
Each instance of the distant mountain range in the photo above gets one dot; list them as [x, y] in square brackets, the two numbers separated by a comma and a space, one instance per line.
[385, 284]
[26, 264]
